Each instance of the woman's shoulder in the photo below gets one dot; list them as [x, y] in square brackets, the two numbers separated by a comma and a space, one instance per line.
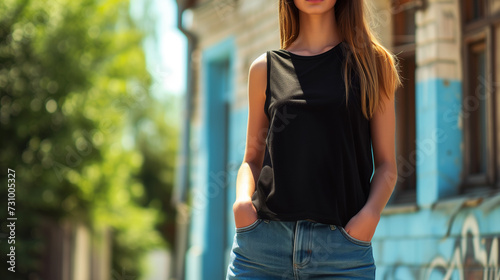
[259, 65]
[257, 72]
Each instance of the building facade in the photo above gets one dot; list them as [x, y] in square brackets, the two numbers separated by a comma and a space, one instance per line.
[443, 220]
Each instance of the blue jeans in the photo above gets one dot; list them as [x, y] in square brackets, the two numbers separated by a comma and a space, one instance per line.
[301, 249]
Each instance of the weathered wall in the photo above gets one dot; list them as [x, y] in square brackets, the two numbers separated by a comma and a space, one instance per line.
[445, 238]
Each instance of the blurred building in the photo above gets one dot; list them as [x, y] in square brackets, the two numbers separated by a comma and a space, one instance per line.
[76, 252]
[443, 220]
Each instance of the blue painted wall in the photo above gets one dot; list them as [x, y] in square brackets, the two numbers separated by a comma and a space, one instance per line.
[451, 242]
[211, 176]
[439, 157]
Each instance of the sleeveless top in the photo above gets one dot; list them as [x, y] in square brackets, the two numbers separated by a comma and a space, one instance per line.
[318, 159]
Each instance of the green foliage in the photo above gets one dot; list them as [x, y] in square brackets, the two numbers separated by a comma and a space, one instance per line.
[74, 92]
[157, 140]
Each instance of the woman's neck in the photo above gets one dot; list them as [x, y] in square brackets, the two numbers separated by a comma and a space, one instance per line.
[317, 33]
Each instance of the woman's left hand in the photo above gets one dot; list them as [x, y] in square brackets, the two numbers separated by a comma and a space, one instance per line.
[362, 226]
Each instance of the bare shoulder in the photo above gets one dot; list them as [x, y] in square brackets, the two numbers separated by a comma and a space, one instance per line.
[259, 65]
[257, 75]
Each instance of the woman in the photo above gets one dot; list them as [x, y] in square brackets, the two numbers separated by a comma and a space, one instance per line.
[306, 204]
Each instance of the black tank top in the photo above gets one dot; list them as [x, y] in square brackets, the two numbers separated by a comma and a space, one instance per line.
[318, 158]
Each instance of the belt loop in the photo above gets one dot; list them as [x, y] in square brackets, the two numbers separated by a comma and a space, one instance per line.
[332, 227]
[266, 221]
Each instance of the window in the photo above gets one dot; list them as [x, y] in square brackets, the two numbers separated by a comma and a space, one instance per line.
[474, 9]
[405, 190]
[404, 46]
[478, 110]
[403, 22]
[476, 107]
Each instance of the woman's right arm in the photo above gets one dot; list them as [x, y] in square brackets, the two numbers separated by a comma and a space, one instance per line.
[249, 171]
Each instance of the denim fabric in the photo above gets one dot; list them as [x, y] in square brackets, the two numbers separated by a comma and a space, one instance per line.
[301, 249]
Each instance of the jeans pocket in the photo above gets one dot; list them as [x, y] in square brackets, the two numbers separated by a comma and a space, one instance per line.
[250, 227]
[354, 240]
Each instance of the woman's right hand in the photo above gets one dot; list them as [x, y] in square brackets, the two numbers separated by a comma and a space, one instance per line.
[244, 213]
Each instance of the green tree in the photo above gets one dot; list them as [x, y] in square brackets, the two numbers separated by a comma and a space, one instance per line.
[157, 139]
[72, 82]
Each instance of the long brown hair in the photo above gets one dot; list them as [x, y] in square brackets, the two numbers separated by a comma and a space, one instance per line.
[376, 67]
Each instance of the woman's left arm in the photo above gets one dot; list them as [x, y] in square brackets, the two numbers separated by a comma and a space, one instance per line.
[383, 133]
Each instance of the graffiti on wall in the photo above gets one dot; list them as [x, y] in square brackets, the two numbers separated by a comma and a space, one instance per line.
[474, 256]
